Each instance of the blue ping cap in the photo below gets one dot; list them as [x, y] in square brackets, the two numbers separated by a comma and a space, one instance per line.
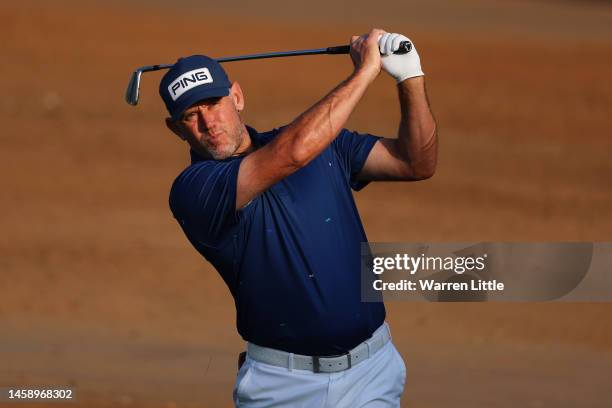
[192, 79]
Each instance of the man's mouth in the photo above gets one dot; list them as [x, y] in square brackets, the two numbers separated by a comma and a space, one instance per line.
[214, 131]
[213, 139]
[215, 135]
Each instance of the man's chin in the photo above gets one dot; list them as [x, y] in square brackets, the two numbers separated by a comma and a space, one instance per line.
[221, 154]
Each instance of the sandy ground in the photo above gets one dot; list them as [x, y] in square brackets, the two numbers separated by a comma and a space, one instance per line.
[100, 290]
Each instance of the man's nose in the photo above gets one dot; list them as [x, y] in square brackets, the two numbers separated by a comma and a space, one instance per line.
[205, 118]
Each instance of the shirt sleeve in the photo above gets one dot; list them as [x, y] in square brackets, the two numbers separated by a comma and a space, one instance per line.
[203, 199]
[353, 149]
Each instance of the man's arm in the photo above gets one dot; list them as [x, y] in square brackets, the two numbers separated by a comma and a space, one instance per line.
[309, 134]
[413, 155]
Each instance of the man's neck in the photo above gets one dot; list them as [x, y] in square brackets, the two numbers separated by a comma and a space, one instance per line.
[247, 146]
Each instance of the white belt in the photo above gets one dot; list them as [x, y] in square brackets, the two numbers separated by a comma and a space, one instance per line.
[322, 364]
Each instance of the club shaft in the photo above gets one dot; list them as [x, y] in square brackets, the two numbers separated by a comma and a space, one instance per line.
[330, 50]
[132, 92]
[340, 49]
[273, 55]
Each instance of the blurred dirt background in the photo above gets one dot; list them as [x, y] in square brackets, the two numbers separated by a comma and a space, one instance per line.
[100, 290]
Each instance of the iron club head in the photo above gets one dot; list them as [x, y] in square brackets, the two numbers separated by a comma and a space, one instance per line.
[131, 93]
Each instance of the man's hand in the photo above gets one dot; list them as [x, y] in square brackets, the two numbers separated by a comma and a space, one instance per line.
[399, 66]
[365, 53]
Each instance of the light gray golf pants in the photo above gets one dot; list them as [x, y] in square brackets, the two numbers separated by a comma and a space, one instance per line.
[374, 383]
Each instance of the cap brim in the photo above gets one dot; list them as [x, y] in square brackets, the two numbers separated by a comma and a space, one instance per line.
[196, 95]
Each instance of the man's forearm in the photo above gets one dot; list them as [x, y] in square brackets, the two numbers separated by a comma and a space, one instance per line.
[310, 133]
[417, 136]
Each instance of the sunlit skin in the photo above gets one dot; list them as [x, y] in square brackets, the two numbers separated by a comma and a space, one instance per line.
[213, 127]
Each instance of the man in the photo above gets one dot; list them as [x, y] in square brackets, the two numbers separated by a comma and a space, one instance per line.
[274, 213]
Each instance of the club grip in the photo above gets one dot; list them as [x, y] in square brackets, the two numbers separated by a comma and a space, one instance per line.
[404, 48]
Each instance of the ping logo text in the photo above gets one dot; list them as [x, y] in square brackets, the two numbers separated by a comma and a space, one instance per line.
[188, 81]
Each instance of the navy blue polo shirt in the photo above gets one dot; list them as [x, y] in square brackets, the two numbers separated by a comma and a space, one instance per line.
[291, 257]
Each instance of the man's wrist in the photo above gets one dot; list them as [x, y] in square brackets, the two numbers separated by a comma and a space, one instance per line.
[413, 84]
[365, 74]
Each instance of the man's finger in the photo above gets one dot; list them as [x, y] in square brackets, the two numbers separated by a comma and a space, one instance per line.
[383, 44]
[389, 43]
[397, 40]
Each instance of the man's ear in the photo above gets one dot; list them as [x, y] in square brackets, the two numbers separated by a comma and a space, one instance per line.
[174, 128]
[237, 96]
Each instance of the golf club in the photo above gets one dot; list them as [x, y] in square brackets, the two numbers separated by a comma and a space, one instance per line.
[132, 92]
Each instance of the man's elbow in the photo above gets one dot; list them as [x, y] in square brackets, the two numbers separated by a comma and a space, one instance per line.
[300, 153]
[424, 172]
[414, 173]
[421, 170]
[298, 157]
[289, 154]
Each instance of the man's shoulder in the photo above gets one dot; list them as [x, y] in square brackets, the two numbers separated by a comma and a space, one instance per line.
[195, 178]
[191, 171]
[182, 181]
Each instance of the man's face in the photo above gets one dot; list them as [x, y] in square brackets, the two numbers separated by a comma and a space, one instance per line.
[213, 127]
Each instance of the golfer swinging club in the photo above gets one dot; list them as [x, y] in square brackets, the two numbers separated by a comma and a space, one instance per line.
[273, 212]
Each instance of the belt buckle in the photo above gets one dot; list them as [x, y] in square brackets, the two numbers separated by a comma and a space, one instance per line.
[316, 363]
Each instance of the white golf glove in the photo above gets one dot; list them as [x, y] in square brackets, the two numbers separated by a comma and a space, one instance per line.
[399, 66]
